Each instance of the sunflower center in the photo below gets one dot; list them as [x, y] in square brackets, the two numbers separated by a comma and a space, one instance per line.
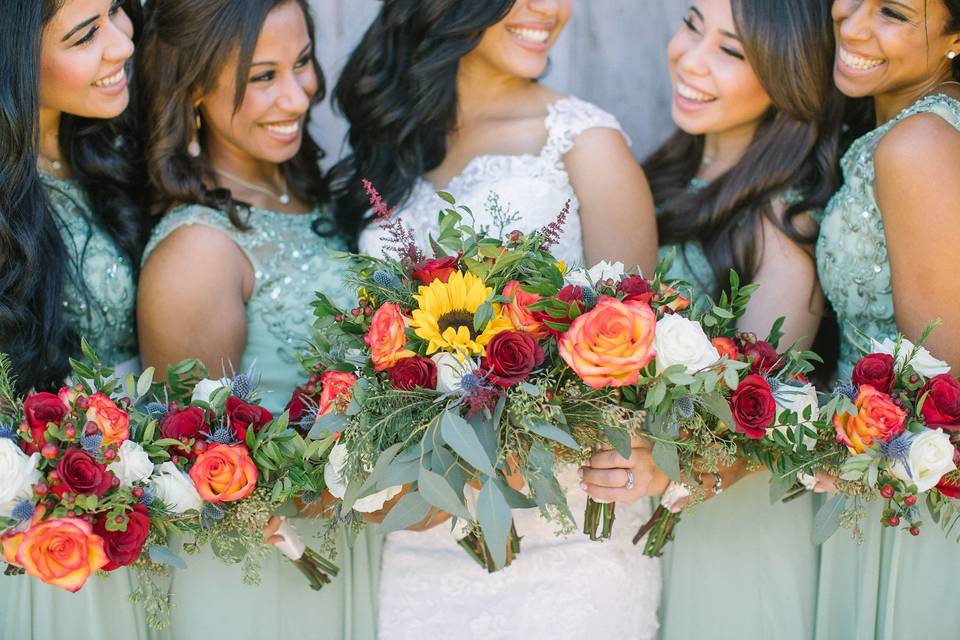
[456, 319]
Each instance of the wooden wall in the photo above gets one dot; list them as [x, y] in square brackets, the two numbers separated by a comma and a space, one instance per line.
[613, 53]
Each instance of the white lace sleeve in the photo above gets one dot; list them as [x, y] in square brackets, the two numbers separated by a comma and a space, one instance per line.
[568, 118]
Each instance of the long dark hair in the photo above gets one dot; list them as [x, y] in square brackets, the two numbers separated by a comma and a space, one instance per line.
[790, 46]
[186, 45]
[398, 92]
[34, 263]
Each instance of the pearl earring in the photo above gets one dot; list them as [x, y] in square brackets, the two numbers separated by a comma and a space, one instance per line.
[951, 55]
[193, 149]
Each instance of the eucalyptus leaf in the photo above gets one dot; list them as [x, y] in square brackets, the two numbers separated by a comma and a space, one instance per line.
[145, 382]
[380, 469]
[495, 518]
[621, 441]
[827, 520]
[666, 457]
[718, 406]
[410, 510]
[328, 424]
[434, 489]
[163, 555]
[461, 437]
[551, 432]
[398, 473]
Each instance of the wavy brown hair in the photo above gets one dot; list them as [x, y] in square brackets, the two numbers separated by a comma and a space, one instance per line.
[790, 46]
[185, 46]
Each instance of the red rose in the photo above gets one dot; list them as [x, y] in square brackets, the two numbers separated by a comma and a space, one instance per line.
[185, 423]
[80, 473]
[511, 357]
[635, 288]
[40, 409]
[298, 405]
[124, 547]
[753, 406]
[435, 269]
[941, 409]
[411, 373]
[243, 416]
[572, 295]
[762, 356]
[876, 370]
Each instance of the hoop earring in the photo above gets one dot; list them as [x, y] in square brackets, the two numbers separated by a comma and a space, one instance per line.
[193, 149]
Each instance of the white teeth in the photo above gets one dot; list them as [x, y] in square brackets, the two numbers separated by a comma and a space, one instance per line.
[690, 93]
[536, 36]
[115, 79]
[858, 62]
[283, 129]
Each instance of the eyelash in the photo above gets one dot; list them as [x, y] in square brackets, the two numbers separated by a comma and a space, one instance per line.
[689, 23]
[90, 35]
[267, 76]
[890, 13]
[726, 50]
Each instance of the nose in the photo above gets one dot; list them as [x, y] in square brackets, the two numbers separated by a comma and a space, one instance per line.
[119, 47]
[854, 21]
[694, 61]
[295, 94]
[546, 7]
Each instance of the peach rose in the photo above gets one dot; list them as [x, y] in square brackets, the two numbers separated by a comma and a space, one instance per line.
[726, 347]
[62, 552]
[386, 337]
[677, 304]
[114, 423]
[877, 419]
[334, 384]
[516, 312]
[224, 473]
[608, 346]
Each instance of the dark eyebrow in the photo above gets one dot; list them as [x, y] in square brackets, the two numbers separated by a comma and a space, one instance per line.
[727, 34]
[266, 62]
[80, 26]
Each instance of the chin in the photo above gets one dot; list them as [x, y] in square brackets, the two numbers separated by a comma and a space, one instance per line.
[107, 109]
[693, 126]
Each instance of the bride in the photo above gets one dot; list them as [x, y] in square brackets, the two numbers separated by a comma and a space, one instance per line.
[443, 95]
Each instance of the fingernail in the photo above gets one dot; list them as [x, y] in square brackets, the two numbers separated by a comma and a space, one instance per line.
[580, 472]
[583, 485]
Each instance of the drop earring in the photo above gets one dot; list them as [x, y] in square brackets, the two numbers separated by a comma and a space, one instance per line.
[193, 149]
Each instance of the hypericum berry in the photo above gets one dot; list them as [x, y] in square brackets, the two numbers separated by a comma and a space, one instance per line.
[69, 498]
[910, 500]
[310, 389]
[356, 311]
[70, 432]
[314, 379]
[114, 481]
[87, 517]
[368, 311]
[199, 447]
[41, 489]
[887, 491]
[914, 379]
[49, 451]
[54, 477]
[893, 521]
[91, 428]
[914, 531]
[83, 403]
[110, 454]
[549, 395]
[175, 459]
[71, 513]
[119, 519]
[339, 318]
[137, 492]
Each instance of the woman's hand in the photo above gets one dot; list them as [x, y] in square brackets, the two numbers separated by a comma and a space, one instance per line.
[713, 483]
[611, 478]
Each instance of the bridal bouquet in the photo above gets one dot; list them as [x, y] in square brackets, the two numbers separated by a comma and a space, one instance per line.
[892, 433]
[99, 477]
[451, 385]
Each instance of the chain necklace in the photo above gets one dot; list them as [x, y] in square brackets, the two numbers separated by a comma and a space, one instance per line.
[282, 198]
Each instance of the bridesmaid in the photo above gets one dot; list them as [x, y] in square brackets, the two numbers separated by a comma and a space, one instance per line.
[887, 258]
[243, 242]
[70, 245]
[739, 186]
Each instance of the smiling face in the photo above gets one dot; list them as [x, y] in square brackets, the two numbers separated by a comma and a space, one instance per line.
[281, 84]
[891, 46]
[84, 50]
[520, 43]
[715, 88]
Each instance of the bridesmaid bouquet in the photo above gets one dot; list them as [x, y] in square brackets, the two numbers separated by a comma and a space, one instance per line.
[892, 433]
[98, 477]
[451, 379]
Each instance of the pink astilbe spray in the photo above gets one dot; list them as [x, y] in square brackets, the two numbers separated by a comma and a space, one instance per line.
[552, 231]
[398, 239]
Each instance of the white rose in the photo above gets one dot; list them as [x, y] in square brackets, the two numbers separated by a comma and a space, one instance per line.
[930, 458]
[923, 363]
[18, 474]
[797, 399]
[682, 341]
[206, 388]
[600, 271]
[132, 465]
[450, 370]
[175, 488]
[337, 485]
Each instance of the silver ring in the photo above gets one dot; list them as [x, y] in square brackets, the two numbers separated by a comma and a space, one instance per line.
[630, 481]
[717, 484]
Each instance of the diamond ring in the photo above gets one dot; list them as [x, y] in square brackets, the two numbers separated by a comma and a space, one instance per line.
[629, 485]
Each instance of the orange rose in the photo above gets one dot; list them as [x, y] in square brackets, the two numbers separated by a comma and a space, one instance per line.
[224, 473]
[878, 418]
[114, 423]
[608, 346]
[516, 312]
[334, 384]
[62, 552]
[726, 347]
[677, 304]
[386, 337]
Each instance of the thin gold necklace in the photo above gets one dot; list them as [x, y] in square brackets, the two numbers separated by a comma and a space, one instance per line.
[282, 198]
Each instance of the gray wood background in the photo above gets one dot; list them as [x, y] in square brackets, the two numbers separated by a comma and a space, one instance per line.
[612, 53]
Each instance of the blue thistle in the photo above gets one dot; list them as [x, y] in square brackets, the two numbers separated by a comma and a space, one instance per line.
[683, 407]
[91, 444]
[309, 496]
[775, 384]
[242, 386]
[23, 511]
[155, 410]
[224, 434]
[898, 450]
[386, 280]
[846, 390]
[471, 382]
[590, 297]
[211, 513]
[8, 432]
[148, 496]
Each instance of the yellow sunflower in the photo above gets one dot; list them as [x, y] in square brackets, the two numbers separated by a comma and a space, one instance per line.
[445, 315]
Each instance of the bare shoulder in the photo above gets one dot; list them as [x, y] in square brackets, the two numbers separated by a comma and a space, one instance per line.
[918, 144]
[196, 256]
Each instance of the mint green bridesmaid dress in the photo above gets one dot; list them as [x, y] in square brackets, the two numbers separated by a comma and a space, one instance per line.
[99, 303]
[290, 263]
[892, 586]
[739, 568]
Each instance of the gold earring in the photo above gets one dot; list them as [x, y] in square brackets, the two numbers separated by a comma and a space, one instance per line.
[193, 149]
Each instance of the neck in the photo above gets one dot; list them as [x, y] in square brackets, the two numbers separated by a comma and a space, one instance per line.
[50, 134]
[249, 169]
[483, 90]
[725, 149]
[889, 105]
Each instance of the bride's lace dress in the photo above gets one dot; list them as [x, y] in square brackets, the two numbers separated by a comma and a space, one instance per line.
[560, 586]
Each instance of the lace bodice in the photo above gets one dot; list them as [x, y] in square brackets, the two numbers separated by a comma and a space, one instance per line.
[290, 262]
[100, 290]
[852, 259]
[533, 188]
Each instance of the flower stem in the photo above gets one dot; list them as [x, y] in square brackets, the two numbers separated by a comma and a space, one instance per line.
[476, 547]
[660, 529]
[318, 570]
[598, 519]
